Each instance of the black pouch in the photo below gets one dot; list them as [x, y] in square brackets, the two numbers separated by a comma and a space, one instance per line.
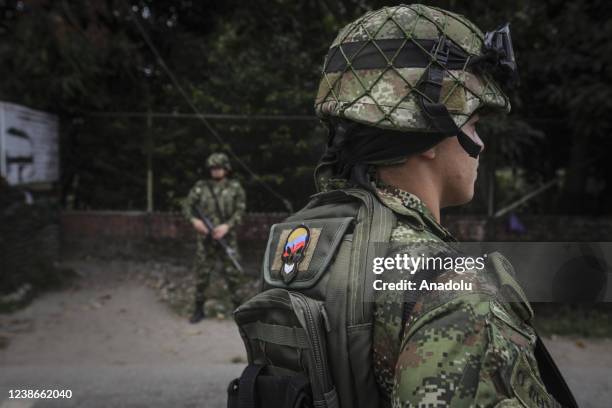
[256, 388]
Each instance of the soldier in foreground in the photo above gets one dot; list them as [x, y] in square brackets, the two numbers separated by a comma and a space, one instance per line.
[402, 91]
[223, 201]
[406, 130]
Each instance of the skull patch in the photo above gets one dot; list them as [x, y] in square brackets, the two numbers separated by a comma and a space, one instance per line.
[293, 253]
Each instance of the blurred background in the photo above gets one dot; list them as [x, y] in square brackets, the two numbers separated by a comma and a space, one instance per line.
[87, 63]
[109, 108]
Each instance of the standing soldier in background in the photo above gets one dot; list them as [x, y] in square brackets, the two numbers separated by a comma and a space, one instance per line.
[223, 201]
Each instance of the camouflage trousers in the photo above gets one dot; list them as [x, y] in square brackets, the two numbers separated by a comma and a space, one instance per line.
[210, 260]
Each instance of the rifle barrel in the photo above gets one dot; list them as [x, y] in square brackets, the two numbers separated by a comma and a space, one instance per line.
[228, 250]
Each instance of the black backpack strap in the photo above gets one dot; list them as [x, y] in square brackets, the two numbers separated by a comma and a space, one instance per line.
[247, 387]
[232, 393]
[284, 392]
[256, 389]
[552, 377]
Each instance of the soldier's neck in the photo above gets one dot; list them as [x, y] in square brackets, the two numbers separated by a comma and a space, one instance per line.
[415, 182]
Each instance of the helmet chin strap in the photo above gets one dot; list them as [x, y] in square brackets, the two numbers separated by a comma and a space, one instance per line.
[472, 148]
[429, 99]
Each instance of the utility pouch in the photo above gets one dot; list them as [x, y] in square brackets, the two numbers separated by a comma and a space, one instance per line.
[285, 337]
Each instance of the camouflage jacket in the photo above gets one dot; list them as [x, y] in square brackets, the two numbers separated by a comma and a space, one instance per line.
[453, 348]
[230, 196]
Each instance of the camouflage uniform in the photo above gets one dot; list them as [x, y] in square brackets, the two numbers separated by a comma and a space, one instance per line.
[456, 348]
[209, 255]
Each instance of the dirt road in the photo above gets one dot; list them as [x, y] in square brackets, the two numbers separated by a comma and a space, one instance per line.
[113, 344]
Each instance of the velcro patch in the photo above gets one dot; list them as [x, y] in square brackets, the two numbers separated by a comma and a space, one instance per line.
[299, 252]
[277, 262]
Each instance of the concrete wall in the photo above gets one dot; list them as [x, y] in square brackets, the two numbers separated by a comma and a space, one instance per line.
[168, 237]
[159, 236]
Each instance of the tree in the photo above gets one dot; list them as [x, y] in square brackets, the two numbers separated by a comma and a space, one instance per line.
[264, 57]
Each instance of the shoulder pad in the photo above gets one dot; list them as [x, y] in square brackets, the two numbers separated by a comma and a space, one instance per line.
[509, 288]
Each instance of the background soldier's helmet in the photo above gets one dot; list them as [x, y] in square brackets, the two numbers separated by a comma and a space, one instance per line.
[413, 68]
[218, 160]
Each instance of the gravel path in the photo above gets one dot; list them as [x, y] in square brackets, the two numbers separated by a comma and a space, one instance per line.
[113, 344]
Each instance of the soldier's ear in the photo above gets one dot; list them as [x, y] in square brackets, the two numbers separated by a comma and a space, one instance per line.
[430, 154]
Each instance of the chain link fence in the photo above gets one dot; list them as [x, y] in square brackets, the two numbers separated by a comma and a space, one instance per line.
[150, 161]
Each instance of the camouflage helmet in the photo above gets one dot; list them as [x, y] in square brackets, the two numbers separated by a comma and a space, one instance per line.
[218, 160]
[414, 68]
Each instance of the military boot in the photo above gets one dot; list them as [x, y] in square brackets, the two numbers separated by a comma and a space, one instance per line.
[198, 313]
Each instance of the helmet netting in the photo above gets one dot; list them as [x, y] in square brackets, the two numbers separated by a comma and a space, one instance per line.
[371, 90]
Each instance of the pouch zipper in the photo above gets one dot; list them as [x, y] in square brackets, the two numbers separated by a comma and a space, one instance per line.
[356, 285]
[317, 349]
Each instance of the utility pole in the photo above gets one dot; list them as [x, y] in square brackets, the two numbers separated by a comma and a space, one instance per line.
[149, 153]
[2, 142]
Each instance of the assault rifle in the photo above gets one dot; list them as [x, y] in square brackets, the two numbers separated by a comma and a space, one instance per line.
[229, 251]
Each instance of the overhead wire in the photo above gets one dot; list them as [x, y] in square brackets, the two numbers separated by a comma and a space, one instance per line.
[211, 129]
[216, 116]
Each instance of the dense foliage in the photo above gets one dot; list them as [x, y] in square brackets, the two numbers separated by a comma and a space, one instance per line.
[263, 58]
